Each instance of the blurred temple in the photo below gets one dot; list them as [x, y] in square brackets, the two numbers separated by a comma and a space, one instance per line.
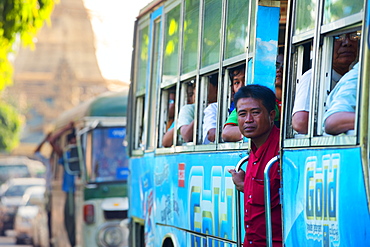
[61, 72]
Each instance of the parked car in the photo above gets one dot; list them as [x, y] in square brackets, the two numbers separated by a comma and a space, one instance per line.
[30, 223]
[11, 194]
[19, 167]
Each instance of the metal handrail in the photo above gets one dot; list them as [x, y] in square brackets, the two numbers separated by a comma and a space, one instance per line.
[267, 200]
[238, 225]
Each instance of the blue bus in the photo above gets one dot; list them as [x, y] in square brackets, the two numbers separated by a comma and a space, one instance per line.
[180, 191]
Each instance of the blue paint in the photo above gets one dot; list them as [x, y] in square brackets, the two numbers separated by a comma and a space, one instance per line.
[324, 198]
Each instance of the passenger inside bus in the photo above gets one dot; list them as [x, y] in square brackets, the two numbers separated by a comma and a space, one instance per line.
[168, 136]
[230, 132]
[185, 121]
[345, 53]
[341, 104]
[186, 117]
[167, 139]
[210, 112]
[171, 108]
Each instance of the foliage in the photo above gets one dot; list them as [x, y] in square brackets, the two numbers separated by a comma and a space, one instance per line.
[10, 127]
[19, 19]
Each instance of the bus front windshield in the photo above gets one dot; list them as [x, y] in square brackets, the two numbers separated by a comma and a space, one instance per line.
[109, 158]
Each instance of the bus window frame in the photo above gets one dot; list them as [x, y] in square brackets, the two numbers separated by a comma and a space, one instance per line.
[203, 104]
[141, 148]
[139, 97]
[163, 112]
[316, 136]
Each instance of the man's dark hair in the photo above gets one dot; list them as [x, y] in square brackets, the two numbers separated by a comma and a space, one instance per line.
[236, 71]
[71, 136]
[213, 79]
[256, 91]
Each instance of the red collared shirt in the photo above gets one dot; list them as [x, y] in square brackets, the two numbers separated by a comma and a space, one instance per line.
[254, 202]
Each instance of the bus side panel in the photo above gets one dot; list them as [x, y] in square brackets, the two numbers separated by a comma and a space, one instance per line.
[141, 186]
[324, 200]
[141, 193]
[188, 191]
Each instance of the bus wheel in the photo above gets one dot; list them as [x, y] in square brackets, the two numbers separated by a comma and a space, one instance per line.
[167, 243]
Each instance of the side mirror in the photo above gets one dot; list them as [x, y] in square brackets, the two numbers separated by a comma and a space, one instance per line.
[72, 160]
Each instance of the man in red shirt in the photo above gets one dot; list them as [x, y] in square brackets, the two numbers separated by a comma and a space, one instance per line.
[255, 105]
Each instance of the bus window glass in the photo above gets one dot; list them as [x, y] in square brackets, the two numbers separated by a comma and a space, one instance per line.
[305, 15]
[209, 110]
[142, 60]
[190, 39]
[166, 122]
[139, 120]
[302, 59]
[211, 32]
[236, 28]
[153, 86]
[335, 10]
[171, 45]
[185, 120]
[340, 94]
[155, 54]
[236, 79]
[109, 161]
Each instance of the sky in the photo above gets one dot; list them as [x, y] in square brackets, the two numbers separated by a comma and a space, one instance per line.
[113, 26]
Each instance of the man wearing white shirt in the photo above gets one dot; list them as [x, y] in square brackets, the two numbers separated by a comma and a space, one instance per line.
[345, 53]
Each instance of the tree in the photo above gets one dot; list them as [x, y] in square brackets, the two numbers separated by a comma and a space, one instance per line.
[10, 127]
[20, 20]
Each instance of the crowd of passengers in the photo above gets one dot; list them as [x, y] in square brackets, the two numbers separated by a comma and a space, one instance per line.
[340, 105]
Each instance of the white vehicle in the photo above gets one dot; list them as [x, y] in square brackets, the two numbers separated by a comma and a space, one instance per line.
[30, 224]
[19, 167]
[11, 194]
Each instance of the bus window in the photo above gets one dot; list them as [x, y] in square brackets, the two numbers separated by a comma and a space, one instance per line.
[230, 129]
[211, 32]
[185, 120]
[171, 46]
[170, 75]
[109, 160]
[190, 36]
[139, 119]
[302, 78]
[141, 77]
[341, 54]
[236, 28]
[208, 111]
[334, 10]
[304, 17]
[344, 54]
[326, 52]
[167, 115]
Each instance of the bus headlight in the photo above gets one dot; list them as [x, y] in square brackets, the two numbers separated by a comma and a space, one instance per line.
[110, 235]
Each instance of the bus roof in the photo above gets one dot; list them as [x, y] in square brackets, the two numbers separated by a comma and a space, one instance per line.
[149, 7]
[108, 104]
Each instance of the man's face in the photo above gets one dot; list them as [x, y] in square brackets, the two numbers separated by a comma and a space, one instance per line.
[191, 94]
[238, 80]
[72, 141]
[212, 93]
[253, 118]
[345, 50]
[279, 70]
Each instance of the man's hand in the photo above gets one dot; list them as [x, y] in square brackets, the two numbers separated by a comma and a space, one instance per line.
[238, 179]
